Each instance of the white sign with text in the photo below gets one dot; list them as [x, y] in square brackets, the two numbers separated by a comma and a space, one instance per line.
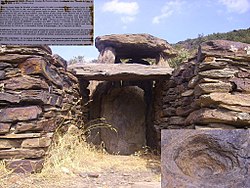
[50, 22]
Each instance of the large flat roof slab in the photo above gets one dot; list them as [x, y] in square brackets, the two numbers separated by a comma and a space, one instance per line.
[114, 72]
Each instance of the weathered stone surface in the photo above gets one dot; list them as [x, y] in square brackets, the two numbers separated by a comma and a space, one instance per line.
[25, 165]
[21, 153]
[24, 82]
[205, 115]
[209, 80]
[226, 49]
[14, 58]
[34, 96]
[12, 72]
[42, 142]
[33, 66]
[208, 65]
[40, 66]
[59, 61]
[220, 126]
[236, 108]
[184, 110]
[19, 113]
[7, 143]
[32, 81]
[47, 125]
[218, 73]
[192, 83]
[2, 75]
[176, 120]
[242, 84]
[4, 128]
[4, 65]
[107, 56]
[145, 46]
[205, 158]
[124, 108]
[9, 98]
[236, 99]
[205, 88]
[187, 93]
[120, 71]
[26, 135]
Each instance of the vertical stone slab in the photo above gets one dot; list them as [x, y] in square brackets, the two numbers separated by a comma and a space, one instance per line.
[107, 56]
[205, 158]
[124, 109]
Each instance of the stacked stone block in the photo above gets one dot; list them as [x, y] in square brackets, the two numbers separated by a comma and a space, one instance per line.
[37, 96]
[212, 90]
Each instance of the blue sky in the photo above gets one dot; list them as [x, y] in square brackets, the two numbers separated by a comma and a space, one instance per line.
[172, 20]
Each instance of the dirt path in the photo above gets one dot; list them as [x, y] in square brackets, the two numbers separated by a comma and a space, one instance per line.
[148, 177]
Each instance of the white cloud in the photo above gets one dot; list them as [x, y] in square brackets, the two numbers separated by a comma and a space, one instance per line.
[168, 10]
[239, 6]
[119, 7]
[127, 19]
[127, 10]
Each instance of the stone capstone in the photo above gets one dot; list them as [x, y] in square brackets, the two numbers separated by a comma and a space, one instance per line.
[116, 72]
[145, 46]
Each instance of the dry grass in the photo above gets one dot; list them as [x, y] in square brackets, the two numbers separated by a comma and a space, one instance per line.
[70, 157]
[73, 153]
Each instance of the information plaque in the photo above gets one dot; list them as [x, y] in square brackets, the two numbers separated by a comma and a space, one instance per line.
[50, 22]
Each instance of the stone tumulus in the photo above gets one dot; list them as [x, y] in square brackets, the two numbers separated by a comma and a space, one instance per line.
[208, 95]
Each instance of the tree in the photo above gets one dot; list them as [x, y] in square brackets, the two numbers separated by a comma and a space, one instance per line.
[77, 59]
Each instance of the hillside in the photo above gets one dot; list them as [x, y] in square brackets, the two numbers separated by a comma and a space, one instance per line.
[242, 35]
[188, 48]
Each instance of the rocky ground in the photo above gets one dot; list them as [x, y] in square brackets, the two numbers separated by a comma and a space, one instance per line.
[108, 178]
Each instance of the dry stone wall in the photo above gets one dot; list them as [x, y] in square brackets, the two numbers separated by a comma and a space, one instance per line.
[204, 118]
[37, 96]
[210, 91]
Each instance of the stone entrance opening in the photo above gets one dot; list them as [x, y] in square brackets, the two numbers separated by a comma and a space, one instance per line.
[125, 109]
[124, 98]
